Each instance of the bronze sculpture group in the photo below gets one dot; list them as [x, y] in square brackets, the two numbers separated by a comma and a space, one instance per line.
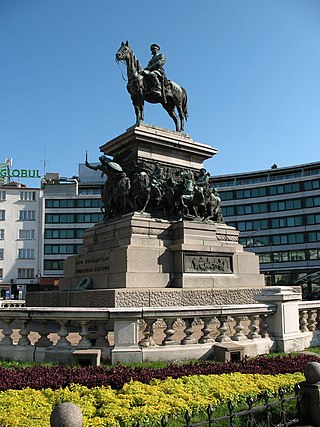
[162, 191]
[151, 84]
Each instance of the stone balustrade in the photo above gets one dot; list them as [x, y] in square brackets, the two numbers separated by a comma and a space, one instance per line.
[280, 321]
[12, 303]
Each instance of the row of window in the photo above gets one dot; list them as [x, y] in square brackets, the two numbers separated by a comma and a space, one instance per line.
[289, 256]
[26, 196]
[22, 234]
[22, 253]
[264, 224]
[273, 190]
[266, 178]
[281, 205]
[73, 218]
[23, 273]
[53, 264]
[280, 239]
[61, 249]
[64, 233]
[24, 215]
[73, 203]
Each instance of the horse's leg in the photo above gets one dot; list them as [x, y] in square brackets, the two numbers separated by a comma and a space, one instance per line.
[181, 116]
[137, 112]
[170, 110]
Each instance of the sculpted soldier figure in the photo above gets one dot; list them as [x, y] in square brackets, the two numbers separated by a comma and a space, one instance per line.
[154, 71]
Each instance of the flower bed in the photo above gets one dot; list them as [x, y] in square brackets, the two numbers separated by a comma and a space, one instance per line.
[40, 377]
[122, 396]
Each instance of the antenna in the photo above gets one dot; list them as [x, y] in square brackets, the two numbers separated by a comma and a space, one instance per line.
[45, 160]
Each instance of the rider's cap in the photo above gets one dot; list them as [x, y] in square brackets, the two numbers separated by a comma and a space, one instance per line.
[155, 45]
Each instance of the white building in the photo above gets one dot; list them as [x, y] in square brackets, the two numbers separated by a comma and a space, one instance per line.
[20, 236]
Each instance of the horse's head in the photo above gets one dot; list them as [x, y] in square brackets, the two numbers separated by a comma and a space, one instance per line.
[123, 52]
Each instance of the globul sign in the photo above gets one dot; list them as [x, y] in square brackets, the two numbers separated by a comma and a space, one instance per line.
[19, 173]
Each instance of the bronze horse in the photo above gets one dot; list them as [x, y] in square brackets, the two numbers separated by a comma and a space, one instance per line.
[173, 97]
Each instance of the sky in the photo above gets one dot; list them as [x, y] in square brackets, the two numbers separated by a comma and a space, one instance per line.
[251, 69]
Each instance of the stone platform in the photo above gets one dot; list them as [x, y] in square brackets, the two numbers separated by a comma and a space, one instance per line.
[138, 260]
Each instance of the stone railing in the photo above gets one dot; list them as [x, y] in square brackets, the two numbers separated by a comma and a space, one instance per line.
[309, 322]
[280, 321]
[12, 303]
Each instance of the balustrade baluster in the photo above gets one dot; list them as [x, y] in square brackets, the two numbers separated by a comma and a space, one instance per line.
[311, 320]
[264, 326]
[318, 318]
[303, 321]
[239, 328]
[63, 333]
[223, 337]
[7, 331]
[24, 332]
[147, 340]
[43, 330]
[206, 331]
[169, 332]
[188, 330]
[253, 327]
[84, 333]
[102, 335]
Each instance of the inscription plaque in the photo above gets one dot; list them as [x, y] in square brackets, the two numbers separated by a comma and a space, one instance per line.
[208, 263]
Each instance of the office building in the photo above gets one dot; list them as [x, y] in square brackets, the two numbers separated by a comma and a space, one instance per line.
[277, 214]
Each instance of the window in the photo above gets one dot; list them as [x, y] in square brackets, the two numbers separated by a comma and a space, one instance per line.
[254, 208]
[290, 221]
[1, 253]
[252, 192]
[314, 236]
[60, 203]
[53, 264]
[64, 233]
[284, 189]
[26, 254]
[27, 215]
[252, 241]
[228, 210]
[263, 258]
[2, 195]
[1, 273]
[285, 205]
[25, 273]
[1, 233]
[313, 219]
[26, 234]
[60, 249]
[314, 254]
[226, 195]
[311, 202]
[59, 218]
[2, 215]
[288, 239]
[28, 196]
[312, 185]
[89, 203]
[89, 217]
[258, 224]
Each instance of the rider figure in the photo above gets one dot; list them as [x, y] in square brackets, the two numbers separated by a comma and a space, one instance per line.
[154, 70]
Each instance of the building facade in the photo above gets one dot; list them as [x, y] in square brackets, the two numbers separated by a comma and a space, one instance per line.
[20, 234]
[277, 212]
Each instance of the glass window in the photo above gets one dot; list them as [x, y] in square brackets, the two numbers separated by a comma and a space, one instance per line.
[26, 234]
[314, 254]
[1, 233]
[28, 196]
[228, 211]
[2, 195]
[1, 273]
[26, 254]
[312, 185]
[2, 215]
[1, 253]
[297, 256]
[314, 236]
[264, 258]
[53, 264]
[60, 203]
[89, 203]
[27, 215]
[25, 273]
[313, 219]
[226, 195]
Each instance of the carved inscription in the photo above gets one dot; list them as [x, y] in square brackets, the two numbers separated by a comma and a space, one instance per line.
[92, 265]
[207, 263]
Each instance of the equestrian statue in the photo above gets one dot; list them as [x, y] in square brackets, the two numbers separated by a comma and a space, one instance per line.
[151, 84]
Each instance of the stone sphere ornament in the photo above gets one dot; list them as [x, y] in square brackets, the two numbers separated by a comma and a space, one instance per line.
[312, 372]
[66, 414]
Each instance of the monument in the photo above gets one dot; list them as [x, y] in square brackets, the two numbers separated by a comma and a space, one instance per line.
[163, 240]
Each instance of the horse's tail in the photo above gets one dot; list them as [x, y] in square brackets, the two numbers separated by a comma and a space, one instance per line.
[185, 103]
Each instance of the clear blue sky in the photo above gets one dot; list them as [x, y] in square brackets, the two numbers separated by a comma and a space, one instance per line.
[251, 69]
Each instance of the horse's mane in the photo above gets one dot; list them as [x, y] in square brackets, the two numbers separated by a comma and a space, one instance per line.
[133, 62]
